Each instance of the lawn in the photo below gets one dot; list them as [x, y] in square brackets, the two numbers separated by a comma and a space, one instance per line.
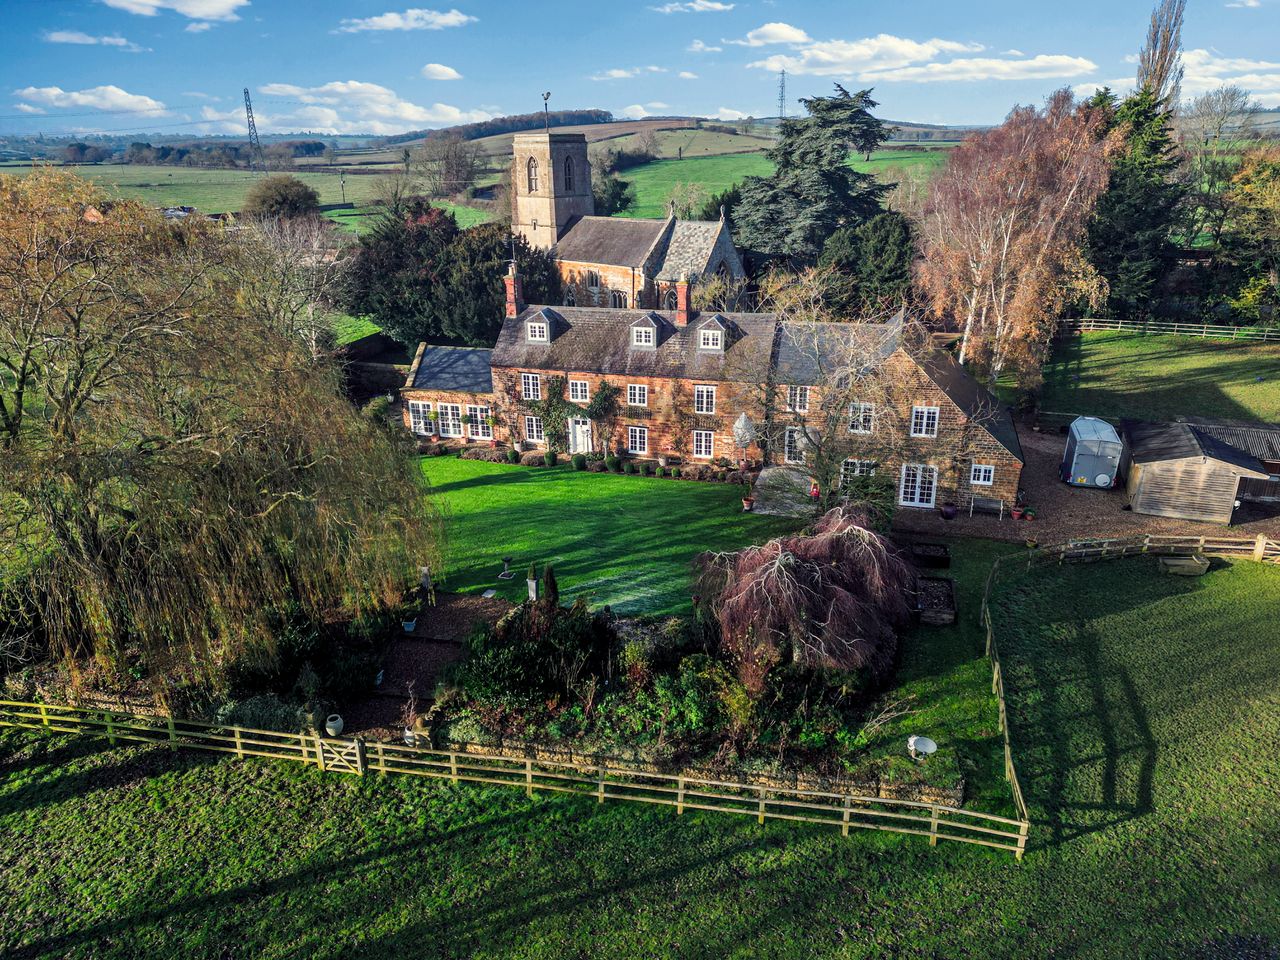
[626, 541]
[1161, 377]
[1145, 709]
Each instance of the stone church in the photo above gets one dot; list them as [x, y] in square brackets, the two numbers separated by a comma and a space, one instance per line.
[607, 261]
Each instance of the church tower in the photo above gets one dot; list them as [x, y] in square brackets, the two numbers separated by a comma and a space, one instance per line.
[551, 183]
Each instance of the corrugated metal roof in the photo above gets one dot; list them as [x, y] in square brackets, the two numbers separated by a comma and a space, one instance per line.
[1156, 442]
[463, 369]
[1260, 439]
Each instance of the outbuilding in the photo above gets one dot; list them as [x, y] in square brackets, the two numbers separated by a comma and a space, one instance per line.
[1178, 470]
[1093, 454]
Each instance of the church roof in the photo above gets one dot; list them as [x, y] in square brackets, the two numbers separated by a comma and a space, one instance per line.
[690, 248]
[616, 241]
[598, 340]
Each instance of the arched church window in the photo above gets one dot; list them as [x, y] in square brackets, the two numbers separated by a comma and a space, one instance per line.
[569, 299]
[672, 303]
[618, 300]
[568, 173]
[532, 170]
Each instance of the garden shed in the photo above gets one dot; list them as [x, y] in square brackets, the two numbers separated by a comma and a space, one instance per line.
[1178, 470]
[1262, 440]
[1093, 454]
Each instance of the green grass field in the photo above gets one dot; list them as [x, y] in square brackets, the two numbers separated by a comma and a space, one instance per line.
[1144, 712]
[626, 541]
[654, 182]
[1161, 377]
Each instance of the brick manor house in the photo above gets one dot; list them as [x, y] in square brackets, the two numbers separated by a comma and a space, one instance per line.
[858, 393]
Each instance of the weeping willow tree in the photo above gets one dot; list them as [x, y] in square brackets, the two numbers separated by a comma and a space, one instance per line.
[177, 466]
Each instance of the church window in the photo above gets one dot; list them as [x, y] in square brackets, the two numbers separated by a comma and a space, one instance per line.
[532, 170]
[568, 173]
[671, 300]
[618, 300]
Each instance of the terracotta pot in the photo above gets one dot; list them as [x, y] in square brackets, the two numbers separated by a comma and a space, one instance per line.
[748, 503]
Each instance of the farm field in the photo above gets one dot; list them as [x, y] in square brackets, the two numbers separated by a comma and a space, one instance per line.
[1162, 377]
[1155, 828]
[626, 541]
[654, 182]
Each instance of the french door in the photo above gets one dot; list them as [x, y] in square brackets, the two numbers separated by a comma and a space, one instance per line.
[919, 486]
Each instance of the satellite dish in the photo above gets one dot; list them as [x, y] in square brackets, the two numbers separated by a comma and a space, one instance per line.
[920, 746]
[1102, 480]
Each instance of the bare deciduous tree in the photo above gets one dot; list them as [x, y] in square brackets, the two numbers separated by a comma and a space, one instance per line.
[1210, 128]
[1002, 231]
[447, 165]
[1160, 59]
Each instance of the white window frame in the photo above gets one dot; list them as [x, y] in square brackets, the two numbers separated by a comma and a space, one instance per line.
[862, 414]
[798, 398]
[704, 444]
[480, 428]
[922, 472]
[704, 398]
[537, 331]
[642, 336]
[637, 440]
[853, 468]
[450, 420]
[579, 391]
[637, 395]
[982, 474]
[924, 421]
[710, 340]
[533, 429]
[791, 450]
[531, 386]
[419, 422]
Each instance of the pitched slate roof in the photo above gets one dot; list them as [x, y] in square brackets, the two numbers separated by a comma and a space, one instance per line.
[811, 353]
[1156, 442]
[977, 402]
[689, 249]
[1260, 439]
[462, 369]
[616, 241]
[597, 340]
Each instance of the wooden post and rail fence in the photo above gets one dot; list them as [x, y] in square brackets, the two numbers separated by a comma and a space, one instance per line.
[601, 780]
[1260, 549]
[1207, 331]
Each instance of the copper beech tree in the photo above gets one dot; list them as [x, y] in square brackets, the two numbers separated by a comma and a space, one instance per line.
[834, 598]
[177, 467]
[1001, 233]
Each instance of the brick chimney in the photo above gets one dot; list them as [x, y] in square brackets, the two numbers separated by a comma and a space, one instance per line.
[515, 293]
[684, 313]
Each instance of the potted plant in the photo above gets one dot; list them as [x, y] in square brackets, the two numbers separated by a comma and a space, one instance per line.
[1028, 514]
[1017, 511]
[409, 625]
[748, 500]
[434, 417]
[532, 582]
[333, 725]
[468, 421]
[949, 511]
[492, 421]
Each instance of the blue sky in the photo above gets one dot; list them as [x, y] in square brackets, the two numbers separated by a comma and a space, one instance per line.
[377, 66]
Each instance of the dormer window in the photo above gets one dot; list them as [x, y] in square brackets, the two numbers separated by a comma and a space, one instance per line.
[642, 336]
[710, 340]
[537, 331]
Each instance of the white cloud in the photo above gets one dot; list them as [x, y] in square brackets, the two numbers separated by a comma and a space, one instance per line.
[634, 112]
[1013, 53]
[415, 18]
[349, 106]
[1042, 67]
[857, 57]
[96, 98]
[658, 105]
[1245, 3]
[688, 75]
[197, 95]
[28, 108]
[694, 6]
[725, 113]
[199, 26]
[625, 73]
[1206, 70]
[699, 47]
[771, 33]
[194, 9]
[438, 71]
[84, 39]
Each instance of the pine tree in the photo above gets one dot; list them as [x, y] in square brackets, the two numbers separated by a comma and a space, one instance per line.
[1129, 237]
[813, 190]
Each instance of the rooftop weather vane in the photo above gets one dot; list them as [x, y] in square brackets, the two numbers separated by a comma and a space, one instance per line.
[546, 117]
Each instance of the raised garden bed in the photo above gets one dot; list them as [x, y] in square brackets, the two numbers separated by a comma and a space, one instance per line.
[931, 556]
[936, 600]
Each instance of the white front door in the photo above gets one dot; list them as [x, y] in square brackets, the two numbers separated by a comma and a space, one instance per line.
[579, 435]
